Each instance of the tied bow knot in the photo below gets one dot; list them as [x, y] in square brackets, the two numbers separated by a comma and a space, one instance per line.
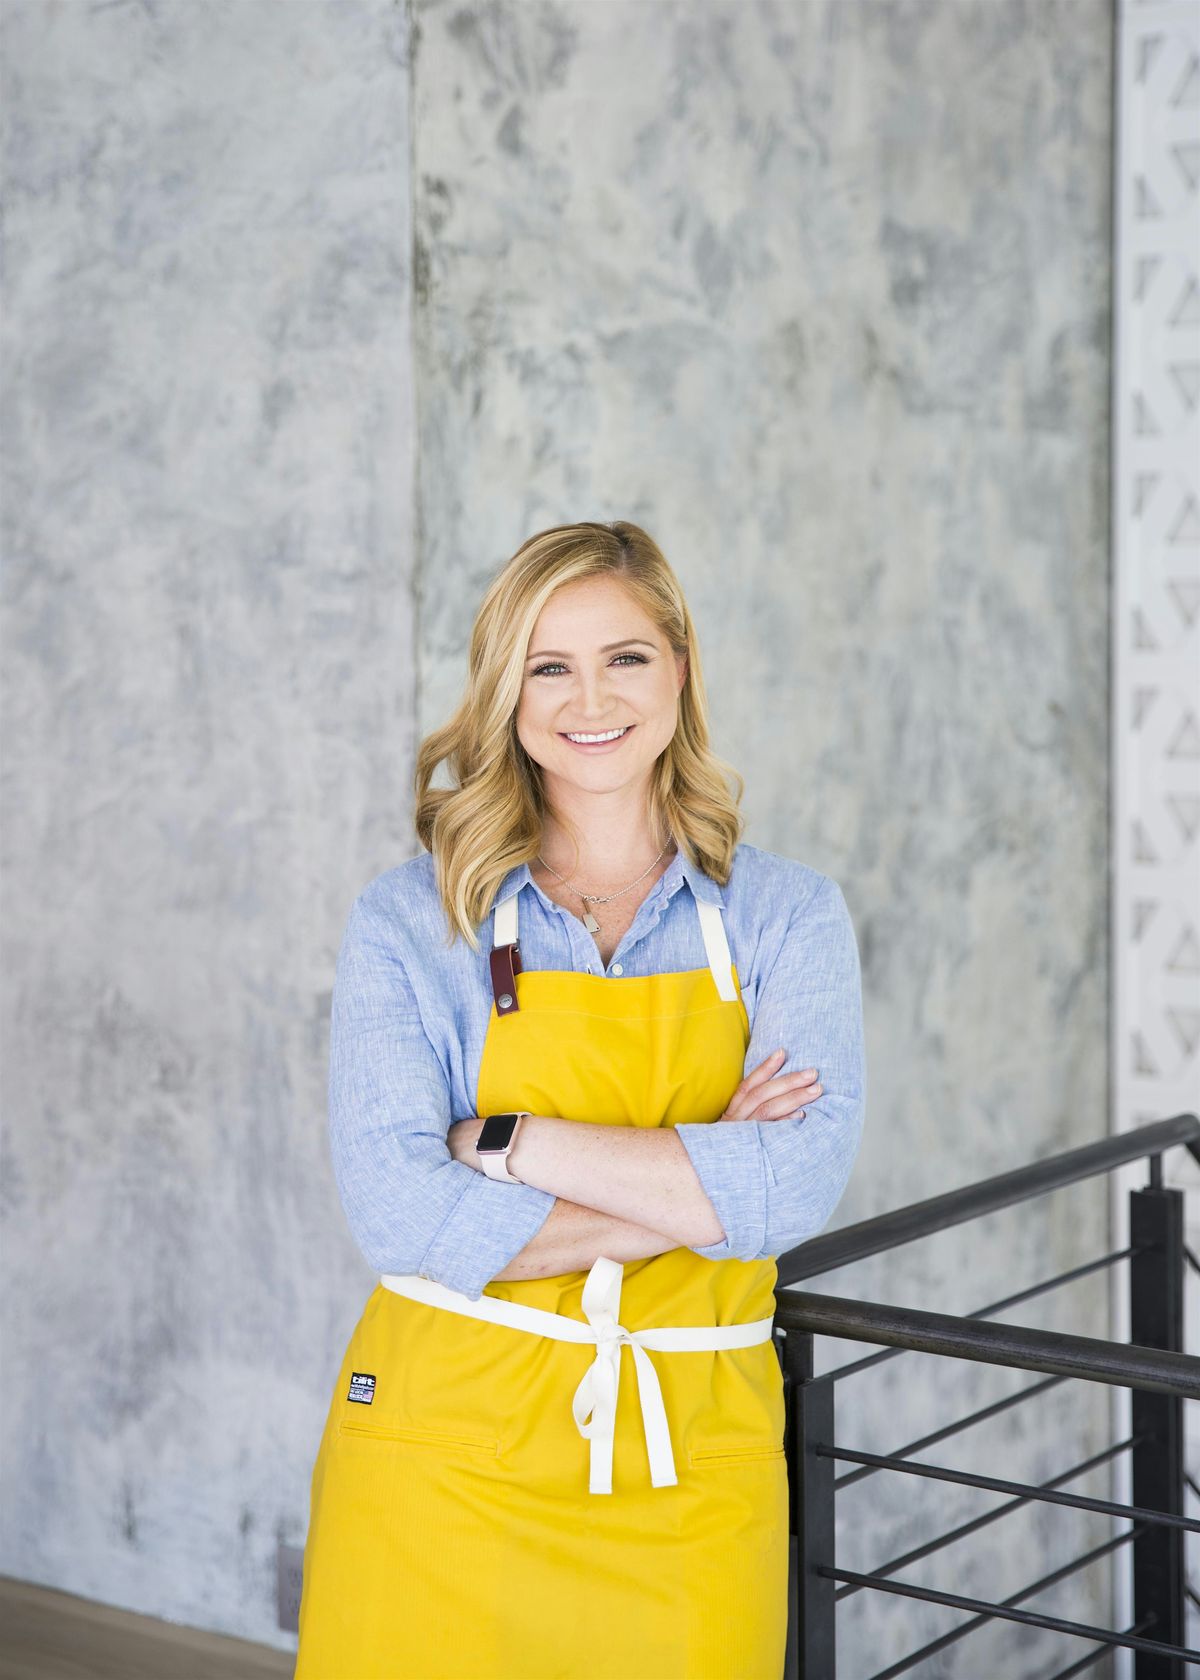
[595, 1402]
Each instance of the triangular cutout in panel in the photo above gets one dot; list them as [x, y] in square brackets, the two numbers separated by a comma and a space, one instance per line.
[1149, 47]
[1143, 851]
[1187, 381]
[1186, 743]
[1186, 528]
[1187, 310]
[1185, 958]
[1144, 423]
[1145, 205]
[1141, 1056]
[1144, 639]
[1187, 94]
[1187, 157]
[1185, 808]
[1185, 592]
[1186, 1025]
[1146, 268]
[1144, 912]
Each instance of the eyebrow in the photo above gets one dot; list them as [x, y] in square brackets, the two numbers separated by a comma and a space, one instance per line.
[630, 641]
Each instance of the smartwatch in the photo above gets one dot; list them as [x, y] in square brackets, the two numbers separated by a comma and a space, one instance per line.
[496, 1138]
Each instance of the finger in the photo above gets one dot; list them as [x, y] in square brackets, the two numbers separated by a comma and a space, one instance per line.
[784, 1102]
[796, 1087]
[766, 1068]
[760, 1085]
[761, 1079]
[741, 1103]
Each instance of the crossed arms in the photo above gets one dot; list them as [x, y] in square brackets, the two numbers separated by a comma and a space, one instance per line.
[743, 1189]
[650, 1196]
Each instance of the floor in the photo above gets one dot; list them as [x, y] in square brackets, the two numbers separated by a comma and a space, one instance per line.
[50, 1635]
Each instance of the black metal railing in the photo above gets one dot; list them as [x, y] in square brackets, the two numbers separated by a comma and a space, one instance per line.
[1153, 1365]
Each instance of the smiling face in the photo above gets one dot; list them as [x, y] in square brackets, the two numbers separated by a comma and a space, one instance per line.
[596, 663]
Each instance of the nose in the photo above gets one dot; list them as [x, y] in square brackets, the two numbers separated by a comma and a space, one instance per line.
[594, 702]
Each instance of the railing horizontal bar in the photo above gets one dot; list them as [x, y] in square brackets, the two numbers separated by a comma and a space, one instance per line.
[936, 1213]
[1028, 1490]
[1088, 1660]
[955, 1428]
[1004, 1606]
[1093, 1657]
[1191, 1258]
[1191, 1482]
[906, 1559]
[992, 1306]
[1032, 1618]
[1124, 1364]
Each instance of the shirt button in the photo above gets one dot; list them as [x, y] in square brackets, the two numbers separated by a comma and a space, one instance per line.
[616, 969]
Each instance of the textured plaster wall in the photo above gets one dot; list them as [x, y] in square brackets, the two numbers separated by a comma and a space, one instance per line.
[207, 444]
[817, 292]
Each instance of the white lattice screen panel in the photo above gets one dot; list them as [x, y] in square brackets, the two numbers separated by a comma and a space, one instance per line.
[1156, 629]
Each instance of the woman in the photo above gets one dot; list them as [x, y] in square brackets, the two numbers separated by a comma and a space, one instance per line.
[528, 1133]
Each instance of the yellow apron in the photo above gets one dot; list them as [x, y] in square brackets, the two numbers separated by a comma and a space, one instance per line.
[455, 1531]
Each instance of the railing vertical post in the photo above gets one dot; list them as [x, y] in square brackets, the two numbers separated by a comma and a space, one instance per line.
[1156, 1320]
[812, 1630]
[791, 1656]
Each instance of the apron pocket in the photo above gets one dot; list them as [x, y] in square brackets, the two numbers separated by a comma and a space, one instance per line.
[699, 1456]
[421, 1437]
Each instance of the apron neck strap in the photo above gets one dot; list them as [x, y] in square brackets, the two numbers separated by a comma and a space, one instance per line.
[716, 947]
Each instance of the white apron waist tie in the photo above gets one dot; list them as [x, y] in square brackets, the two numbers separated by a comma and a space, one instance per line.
[596, 1396]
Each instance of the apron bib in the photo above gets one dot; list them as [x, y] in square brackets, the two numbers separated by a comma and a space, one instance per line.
[456, 1531]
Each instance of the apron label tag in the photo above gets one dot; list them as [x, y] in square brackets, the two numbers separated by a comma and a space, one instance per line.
[362, 1387]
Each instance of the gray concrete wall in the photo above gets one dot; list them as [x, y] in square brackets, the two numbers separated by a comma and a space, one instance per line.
[208, 721]
[819, 293]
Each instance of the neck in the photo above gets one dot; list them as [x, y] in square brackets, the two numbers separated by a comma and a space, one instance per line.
[594, 865]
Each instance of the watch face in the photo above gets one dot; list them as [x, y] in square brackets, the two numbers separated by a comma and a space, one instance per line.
[496, 1132]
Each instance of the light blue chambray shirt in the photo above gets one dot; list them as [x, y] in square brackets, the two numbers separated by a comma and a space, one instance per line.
[407, 1027]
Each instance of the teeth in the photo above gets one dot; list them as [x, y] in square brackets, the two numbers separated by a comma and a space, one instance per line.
[611, 735]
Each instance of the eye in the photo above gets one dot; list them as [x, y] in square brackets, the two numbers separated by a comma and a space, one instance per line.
[557, 665]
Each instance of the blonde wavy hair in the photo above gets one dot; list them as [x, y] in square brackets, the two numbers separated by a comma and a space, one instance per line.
[492, 818]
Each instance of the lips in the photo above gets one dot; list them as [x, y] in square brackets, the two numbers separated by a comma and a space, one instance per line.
[597, 746]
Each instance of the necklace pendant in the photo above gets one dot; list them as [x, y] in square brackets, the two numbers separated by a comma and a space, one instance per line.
[590, 922]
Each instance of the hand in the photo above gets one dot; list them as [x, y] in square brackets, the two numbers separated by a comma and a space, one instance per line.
[763, 1096]
[461, 1139]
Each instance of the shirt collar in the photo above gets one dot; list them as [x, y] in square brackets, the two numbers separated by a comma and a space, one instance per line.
[680, 867]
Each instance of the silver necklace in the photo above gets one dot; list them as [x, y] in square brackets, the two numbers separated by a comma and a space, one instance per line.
[589, 921]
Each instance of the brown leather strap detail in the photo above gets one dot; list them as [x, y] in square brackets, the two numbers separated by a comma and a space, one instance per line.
[505, 963]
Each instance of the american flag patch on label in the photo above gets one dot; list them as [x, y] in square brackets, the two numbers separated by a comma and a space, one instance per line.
[362, 1387]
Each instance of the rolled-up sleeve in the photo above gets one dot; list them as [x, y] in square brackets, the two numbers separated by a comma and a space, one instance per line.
[775, 1183]
[410, 1205]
